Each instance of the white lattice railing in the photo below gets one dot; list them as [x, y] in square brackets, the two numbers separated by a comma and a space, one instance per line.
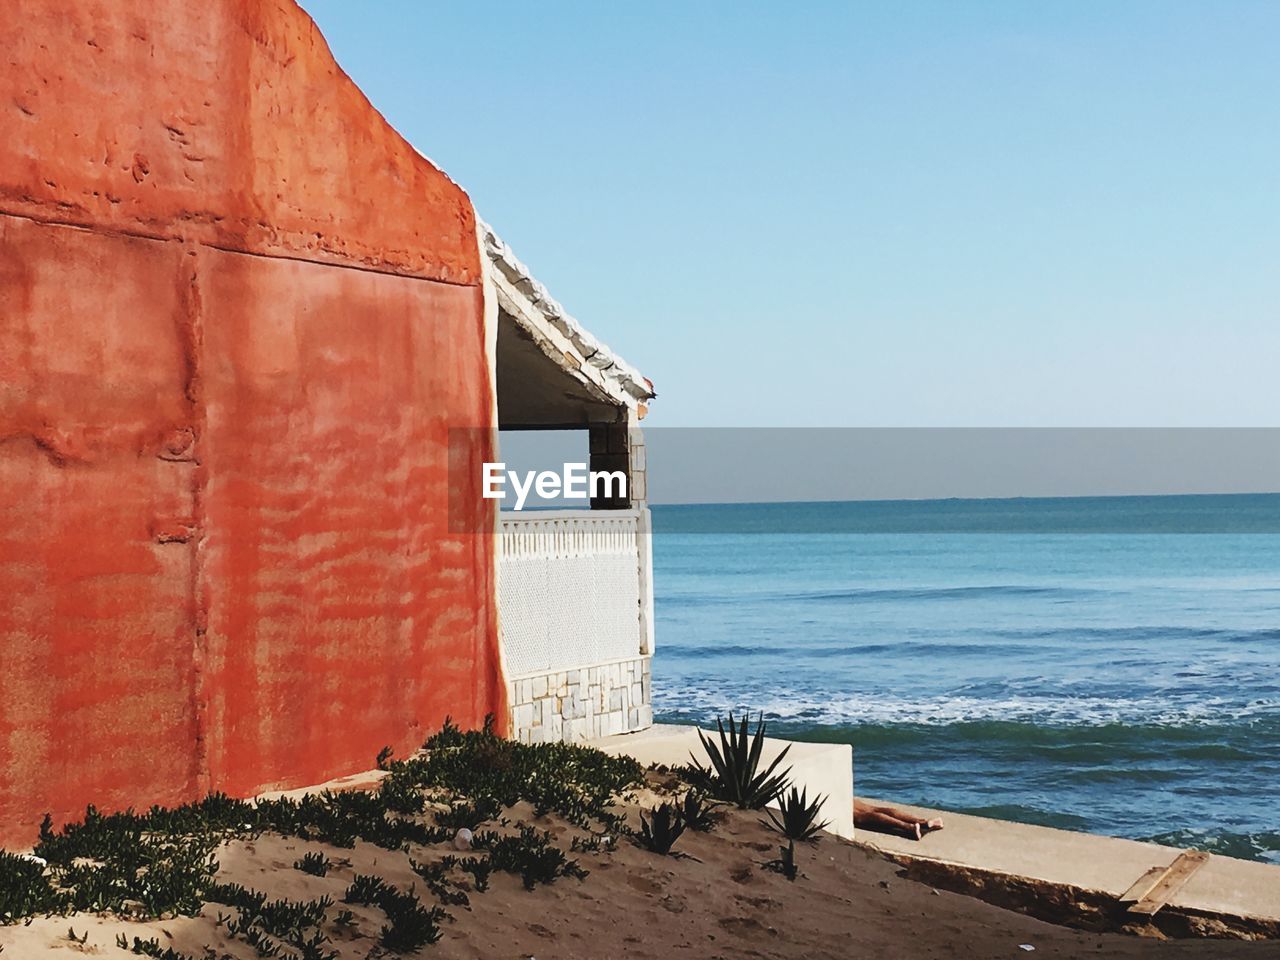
[571, 589]
[569, 533]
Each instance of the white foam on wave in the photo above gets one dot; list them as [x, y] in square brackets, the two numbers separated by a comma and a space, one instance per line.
[709, 701]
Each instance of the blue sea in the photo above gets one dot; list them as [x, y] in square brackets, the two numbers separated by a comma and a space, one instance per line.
[1100, 664]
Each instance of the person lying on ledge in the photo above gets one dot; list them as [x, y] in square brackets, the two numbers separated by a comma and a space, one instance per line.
[888, 820]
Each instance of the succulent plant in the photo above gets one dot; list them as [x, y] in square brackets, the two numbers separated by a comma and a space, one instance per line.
[735, 775]
[698, 811]
[662, 829]
[797, 818]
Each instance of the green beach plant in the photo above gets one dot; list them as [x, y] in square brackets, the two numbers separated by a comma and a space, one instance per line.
[469, 813]
[25, 890]
[162, 862]
[410, 925]
[662, 829]
[698, 811]
[480, 869]
[735, 775]
[151, 948]
[492, 773]
[314, 863]
[797, 818]
[436, 877]
[530, 855]
[786, 862]
[271, 925]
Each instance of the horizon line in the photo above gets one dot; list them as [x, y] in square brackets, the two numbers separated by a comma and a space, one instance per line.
[1020, 497]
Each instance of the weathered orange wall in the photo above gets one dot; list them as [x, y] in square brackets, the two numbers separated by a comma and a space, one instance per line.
[238, 315]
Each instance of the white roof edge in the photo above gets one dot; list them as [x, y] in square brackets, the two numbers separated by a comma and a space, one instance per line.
[619, 377]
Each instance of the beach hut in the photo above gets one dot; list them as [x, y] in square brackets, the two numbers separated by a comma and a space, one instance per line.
[575, 587]
[254, 348]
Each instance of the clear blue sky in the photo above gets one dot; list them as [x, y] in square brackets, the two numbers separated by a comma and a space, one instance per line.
[951, 213]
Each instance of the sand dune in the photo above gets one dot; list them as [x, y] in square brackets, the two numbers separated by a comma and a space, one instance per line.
[716, 901]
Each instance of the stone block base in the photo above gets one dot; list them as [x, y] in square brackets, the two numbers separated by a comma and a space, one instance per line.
[582, 704]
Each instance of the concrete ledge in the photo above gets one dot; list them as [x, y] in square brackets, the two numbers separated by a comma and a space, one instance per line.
[819, 768]
[1223, 887]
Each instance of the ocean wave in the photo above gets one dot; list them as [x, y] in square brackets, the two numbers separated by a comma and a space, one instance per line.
[1136, 632]
[1249, 635]
[885, 594]
[964, 640]
[876, 594]
[1021, 813]
[1261, 845]
[827, 711]
[1120, 773]
[897, 646]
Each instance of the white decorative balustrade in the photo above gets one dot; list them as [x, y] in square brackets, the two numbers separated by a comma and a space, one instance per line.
[569, 587]
[575, 615]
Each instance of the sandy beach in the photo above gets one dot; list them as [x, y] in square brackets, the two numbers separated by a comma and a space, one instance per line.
[717, 900]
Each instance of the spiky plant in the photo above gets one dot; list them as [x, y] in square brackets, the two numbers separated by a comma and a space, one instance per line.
[698, 812]
[786, 862]
[314, 863]
[659, 833]
[797, 818]
[735, 774]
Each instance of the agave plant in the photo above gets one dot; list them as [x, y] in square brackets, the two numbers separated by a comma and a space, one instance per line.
[663, 828]
[735, 775]
[699, 812]
[786, 862]
[797, 818]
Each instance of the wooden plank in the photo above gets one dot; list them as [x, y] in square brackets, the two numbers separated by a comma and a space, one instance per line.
[1178, 873]
[1144, 884]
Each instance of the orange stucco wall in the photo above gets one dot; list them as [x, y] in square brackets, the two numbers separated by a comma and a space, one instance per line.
[238, 316]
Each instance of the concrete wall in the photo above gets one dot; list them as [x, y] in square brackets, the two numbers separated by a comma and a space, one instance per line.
[576, 610]
[238, 314]
[819, 769]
